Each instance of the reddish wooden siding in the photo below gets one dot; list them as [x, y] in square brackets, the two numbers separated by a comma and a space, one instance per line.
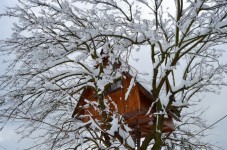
[145, 103]
[118, 98]
[133, 101]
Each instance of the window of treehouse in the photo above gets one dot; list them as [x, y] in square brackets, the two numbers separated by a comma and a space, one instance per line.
[115, 86]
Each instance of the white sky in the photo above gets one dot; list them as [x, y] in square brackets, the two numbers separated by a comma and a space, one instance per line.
[217, 103]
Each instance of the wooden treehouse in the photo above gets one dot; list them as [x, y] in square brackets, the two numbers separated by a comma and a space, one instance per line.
[134, 109]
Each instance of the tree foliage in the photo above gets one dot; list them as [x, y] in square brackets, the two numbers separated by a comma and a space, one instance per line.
[56, 47]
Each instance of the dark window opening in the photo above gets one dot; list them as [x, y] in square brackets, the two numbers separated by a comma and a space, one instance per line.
[115, 86]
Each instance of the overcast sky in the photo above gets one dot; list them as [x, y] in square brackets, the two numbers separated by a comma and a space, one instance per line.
[217, 103]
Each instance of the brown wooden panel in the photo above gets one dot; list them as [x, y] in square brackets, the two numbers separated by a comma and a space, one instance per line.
[118, 99]
[133, 101]
[145, 103]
